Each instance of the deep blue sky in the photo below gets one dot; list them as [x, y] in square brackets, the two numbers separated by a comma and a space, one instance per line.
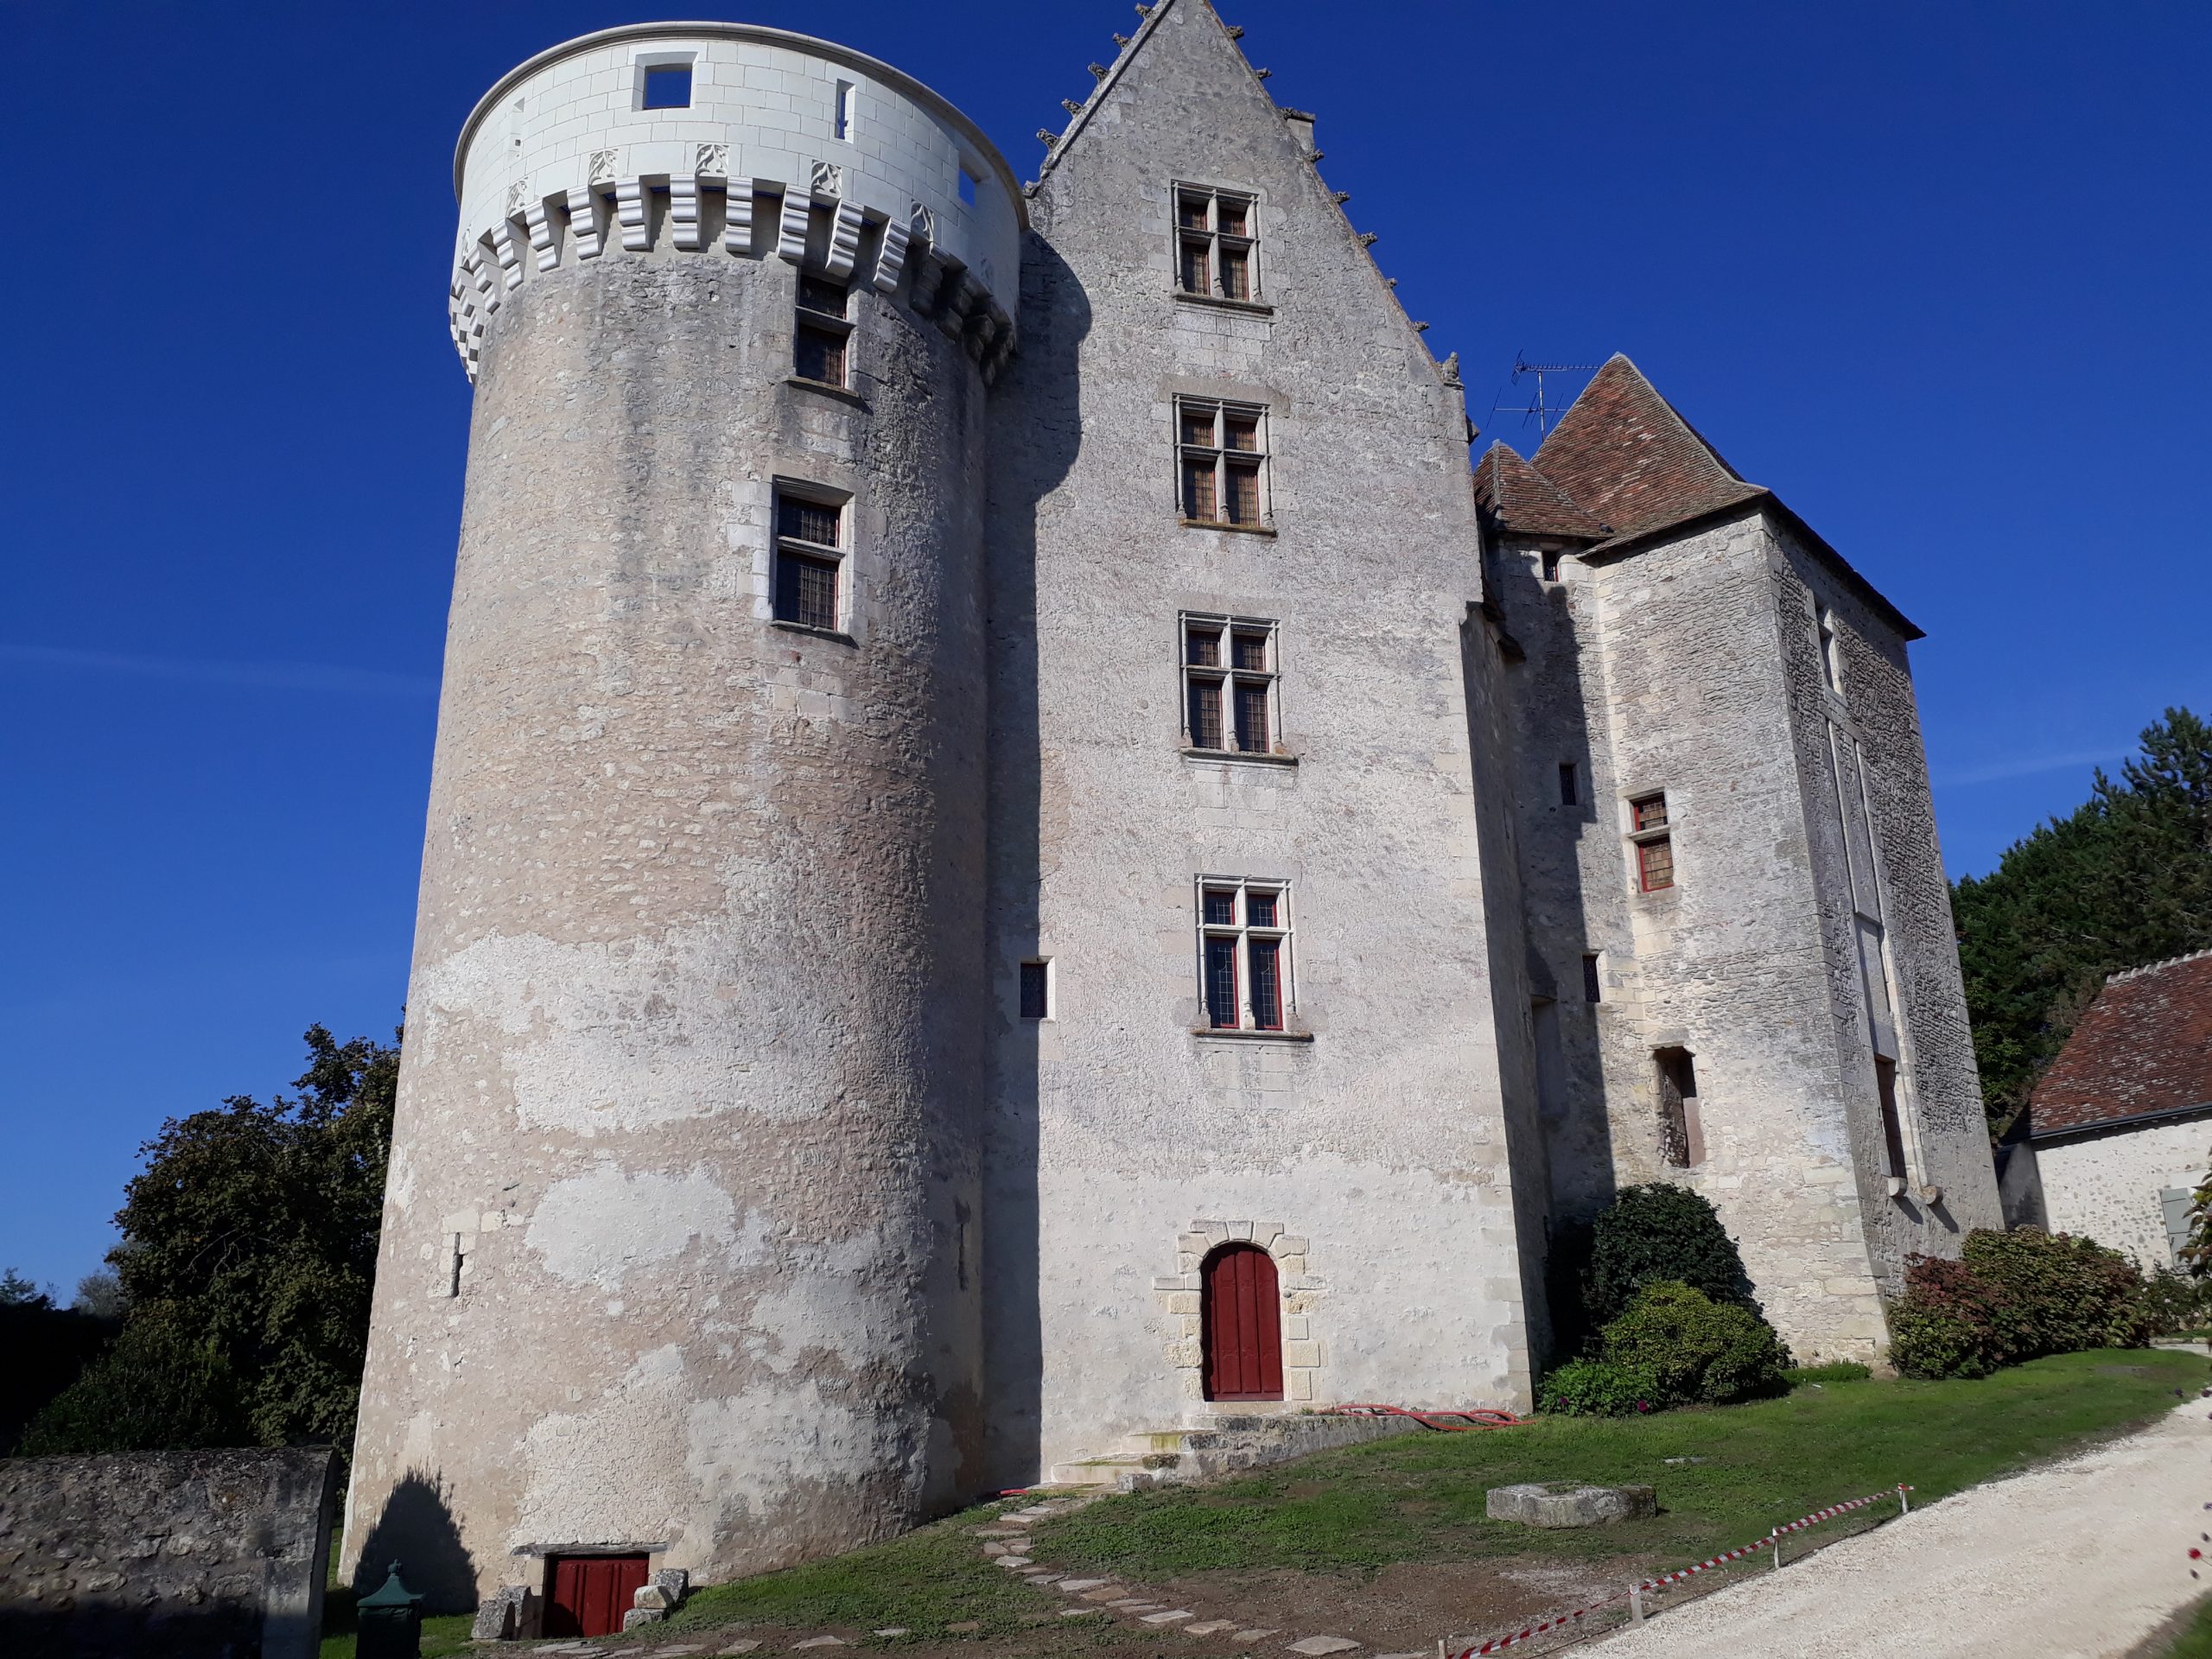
[1934, 273]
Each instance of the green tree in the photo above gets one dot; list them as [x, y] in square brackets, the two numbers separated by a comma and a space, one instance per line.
[2125, 879]
[249, 1250]
[16, 1291]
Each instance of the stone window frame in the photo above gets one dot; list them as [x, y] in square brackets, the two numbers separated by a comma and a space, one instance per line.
[1177, 1295]
[1642, 834]
[642, 63]
[1225, 673]
[1219, 410]
[815, 319]
[783, 488]
[1214, 239]
[1243, 930]
[1828, 645]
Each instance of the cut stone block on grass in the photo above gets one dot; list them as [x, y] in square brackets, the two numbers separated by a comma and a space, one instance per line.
[1083, 1613]
[1569, 1504]
[818, 1642]
[735, 1648]
[1314, 1645]
[1168, 1618]
[1253, 1636]
[1075, 1587]
[1210, 1627]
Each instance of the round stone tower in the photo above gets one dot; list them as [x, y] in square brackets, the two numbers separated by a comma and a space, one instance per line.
[678, 1258]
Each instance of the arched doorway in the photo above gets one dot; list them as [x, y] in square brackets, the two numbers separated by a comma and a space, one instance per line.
[1241, 1323]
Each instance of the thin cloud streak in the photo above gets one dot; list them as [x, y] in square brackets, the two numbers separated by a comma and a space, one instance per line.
[273, 677]
[2028, 765]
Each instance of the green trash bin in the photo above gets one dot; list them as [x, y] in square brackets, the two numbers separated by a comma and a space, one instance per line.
[391, 1622]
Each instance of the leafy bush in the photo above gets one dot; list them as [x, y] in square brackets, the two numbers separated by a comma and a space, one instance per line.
[1841, 1370]
[1598, 1387]
[2177, 1304]
[1663, 1232]
[1696, 1349]
[155, 1390]
[2015, 1296]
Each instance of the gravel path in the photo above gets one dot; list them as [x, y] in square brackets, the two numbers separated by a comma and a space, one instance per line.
[2083, 1557]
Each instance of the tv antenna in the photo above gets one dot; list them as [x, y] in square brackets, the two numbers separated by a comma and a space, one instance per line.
[1541, 412]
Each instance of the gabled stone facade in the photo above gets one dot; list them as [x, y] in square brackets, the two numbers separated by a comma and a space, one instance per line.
[884, 962]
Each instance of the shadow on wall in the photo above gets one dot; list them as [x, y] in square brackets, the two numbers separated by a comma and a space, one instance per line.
[417, 1530]
[95, 1627]
[1036, 433]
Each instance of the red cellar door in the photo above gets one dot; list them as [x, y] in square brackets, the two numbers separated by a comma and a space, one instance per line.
[586, 1595]
[1241, 1318]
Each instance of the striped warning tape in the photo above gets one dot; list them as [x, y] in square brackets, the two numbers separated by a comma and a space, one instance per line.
[1560, 1621]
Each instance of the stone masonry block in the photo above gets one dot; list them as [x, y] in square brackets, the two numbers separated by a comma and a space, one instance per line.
[1569, 1504]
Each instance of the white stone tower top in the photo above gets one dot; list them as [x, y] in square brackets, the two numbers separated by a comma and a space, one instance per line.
[797, 118]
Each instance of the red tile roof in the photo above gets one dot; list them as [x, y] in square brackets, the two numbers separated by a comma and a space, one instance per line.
[1621, 467]
[1527, 501]
[2143, 1047]
[1627, 458]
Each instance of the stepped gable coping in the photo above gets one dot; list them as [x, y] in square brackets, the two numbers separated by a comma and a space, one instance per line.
[2143, 1051]
[1624, 454]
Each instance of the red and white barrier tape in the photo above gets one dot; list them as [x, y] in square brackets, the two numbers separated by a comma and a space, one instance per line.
[1558, 1621]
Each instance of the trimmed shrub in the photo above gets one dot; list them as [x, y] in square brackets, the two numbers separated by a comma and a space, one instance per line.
[2177, 1304]
[1696, 1349]
[2015, 1296]
[157, 1389]
[1662, 1233]
[1841, 1370]
[1598, 1387]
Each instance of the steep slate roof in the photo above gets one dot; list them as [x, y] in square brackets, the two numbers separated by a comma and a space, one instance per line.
[1623, 459]
[2143, 1050]
[1527, 501]
[1627, 458]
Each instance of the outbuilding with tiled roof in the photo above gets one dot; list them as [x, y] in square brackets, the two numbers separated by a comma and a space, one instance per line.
[2121, 1124]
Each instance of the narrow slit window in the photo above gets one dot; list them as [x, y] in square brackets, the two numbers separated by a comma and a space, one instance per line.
[1569, 794]
[809, 562]
[967, 183]
[1245, 955]
[1216, 241]
[846, 94]
[1593, 984]
[1036, 990]
[668, 87]
[1222, 458]
[1231, 684]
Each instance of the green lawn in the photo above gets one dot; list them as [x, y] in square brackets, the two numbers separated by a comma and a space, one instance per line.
[1419, 1497]
[2196, 1639]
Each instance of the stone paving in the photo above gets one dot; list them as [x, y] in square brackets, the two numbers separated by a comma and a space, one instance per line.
[1003, 1543]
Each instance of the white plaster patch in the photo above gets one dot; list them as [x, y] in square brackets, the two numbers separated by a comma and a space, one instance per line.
[595, 1228]
[598, 1038]
[750, 1450]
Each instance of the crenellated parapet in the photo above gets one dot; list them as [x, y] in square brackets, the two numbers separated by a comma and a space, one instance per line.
[708, 212]
[733, 142]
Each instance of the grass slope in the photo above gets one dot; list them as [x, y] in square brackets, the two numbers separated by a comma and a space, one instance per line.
[1419, 1497]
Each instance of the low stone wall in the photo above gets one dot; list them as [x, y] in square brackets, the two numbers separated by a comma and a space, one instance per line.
[210, 1554]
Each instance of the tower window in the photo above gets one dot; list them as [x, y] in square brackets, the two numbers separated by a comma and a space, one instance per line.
[1037, 990]
[1222, 453]
[1548, 563]
[1593, 986]
[810, 563]
[822, 332]
[1568, 793]
[1216, 241]
[1244, 953]
[847, 93]
[1652, 833]
[1682, 1136]
[1229, 684]
[668, 87]
[967, 183]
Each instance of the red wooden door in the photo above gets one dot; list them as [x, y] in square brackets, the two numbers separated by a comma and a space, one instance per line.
[588, 1595]
[1241, 1317]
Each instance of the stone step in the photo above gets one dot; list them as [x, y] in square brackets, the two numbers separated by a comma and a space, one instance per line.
[1221, 1446]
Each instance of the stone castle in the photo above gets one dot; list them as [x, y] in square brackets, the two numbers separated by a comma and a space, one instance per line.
[1021, 851]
